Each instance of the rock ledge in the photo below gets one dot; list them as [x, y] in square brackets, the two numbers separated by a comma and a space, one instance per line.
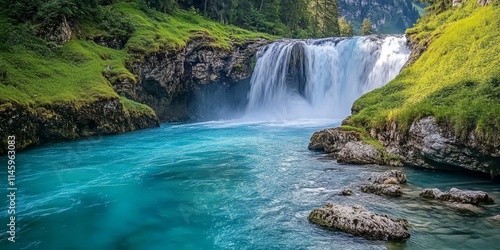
[358, 221]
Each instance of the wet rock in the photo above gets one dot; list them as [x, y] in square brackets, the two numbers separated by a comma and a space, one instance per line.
[358, 152]
[347, 147]
[347, 192]
[390, 177]
[386, 183]
[358, 221]
[466, 207]
[332, 140]
[383, 189]
[457, 195]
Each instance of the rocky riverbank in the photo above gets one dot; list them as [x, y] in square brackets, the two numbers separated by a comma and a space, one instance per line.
[357, 220]
[426, 144]
[34, 125]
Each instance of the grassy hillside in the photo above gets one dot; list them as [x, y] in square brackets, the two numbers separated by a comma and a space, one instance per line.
[457, 79]
[33, 71]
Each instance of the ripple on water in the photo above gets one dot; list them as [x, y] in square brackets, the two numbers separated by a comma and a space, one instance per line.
[222, 185]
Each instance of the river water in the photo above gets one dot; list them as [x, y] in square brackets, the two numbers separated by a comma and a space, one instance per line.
[221, 185]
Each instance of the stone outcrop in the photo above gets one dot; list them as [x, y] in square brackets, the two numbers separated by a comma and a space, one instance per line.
[429, 145]
[57, 32]
[347, 147]
[387, 183]
[457, 195]
[33, 125]
[167, 80]
[358, 221]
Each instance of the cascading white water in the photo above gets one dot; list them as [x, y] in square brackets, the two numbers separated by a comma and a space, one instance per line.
[321, 78]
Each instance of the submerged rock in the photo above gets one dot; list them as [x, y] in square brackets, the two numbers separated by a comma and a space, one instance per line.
[358, 221]
[457, 195]
[386, 183]
[347, 192]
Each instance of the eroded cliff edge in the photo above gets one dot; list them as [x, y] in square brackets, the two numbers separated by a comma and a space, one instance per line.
[442, 111]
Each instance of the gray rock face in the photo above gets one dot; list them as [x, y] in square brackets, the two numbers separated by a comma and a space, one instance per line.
[358, 152]
[58, 32]
[358, 221]
[431, 146]
[387, 183]
[457, 195]
[386, 16]
[68, 121]
[383, 189]
[332, 140]
[346, 146]
[390, 177]
[167, 80]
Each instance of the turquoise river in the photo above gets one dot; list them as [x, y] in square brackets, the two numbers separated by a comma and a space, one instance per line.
[221, 185]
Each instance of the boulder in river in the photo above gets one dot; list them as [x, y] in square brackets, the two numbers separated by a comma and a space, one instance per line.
[358, 221]
[383, 189]
[386, 183]
[346, 192]
[457, 195]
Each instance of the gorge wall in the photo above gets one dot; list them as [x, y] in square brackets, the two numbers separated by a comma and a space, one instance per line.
[169, 81]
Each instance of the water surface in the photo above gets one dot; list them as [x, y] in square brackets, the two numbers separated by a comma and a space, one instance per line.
[220, 185]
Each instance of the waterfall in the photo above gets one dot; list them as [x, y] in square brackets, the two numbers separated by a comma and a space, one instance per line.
[297, 79]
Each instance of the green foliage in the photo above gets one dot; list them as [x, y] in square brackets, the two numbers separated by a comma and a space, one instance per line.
[456, 79]
[325, 14]
[366, 27]
[49, 10]
[437, 6]
[34, 73]
[346, 28]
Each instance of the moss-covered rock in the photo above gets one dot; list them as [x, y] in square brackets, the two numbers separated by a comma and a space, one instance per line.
[34, 125]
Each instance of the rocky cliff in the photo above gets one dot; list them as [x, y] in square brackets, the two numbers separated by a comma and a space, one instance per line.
[442, 110]
[169, 80]
[387, 17]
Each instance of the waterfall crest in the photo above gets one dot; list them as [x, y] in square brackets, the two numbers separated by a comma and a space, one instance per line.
[321, 79]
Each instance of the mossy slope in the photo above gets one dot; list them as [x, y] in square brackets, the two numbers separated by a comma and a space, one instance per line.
[456, 80]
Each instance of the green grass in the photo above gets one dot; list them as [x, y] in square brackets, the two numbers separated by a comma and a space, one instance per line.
[33, 72]
[456, 80]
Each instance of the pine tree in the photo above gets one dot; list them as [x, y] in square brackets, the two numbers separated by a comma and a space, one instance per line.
[346, 28]
[325, 14]
[366, 27]
[331, 18]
